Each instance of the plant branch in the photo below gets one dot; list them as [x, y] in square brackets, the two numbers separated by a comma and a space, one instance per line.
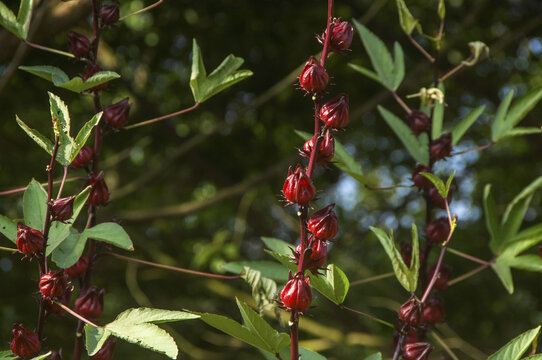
[294, 335]
[62, 182]
[456, 68]
[343, 307]
[469, 274]
[371, 279]
[51, 50]
[468, 257]
[421, 49]
[8, 249]
[444, 346]
[141, 11]
[478, 148]
[401, 102]
[22, 189]
[376, 188]
[80, 317]
[152, 121]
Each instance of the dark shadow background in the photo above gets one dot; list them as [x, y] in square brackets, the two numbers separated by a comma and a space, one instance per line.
[221, 167]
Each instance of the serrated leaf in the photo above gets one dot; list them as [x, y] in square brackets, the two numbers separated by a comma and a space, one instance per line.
[449, 183]
[61, 125]
[514, 349]
[24, 15]
[439, 184]
[7, 355]
[534, 357]
[111, 233]
[505, 275]
[148, 336]
[283, 259]
[492, 222]
[438, 117]
[263, 289]
[498, 126]
[464, 124]
[9, 21]
[417, 147]
[268, 269]
[150, 315]
[278, 246]
[333, 285]
[69, 250]
[225, 75]
[95, 338]
[8, 228]
[84, 133]
[35, 205]
[35, 135]
[407, 21]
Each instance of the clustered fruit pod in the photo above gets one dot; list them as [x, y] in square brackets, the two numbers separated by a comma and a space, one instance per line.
[441, 147]
[107, 350]
[324, 224]
[109, 14]
[54, 308]
[53, 284]
[88, 72]
[317, 258]
[29, 241]
[442, 278]
[116, 114]
[341, 36]
[91, 303]
[298, 187]
[77, 269]
[334, 113]
[411, 311]
[99, 193]
[296, 294]
[62, 209]
[437, 230]
[313, 78]
[418, 121]
[417, 351]
[79, 44]
[326, 149]
[433, 311]
[419, 180]
[83, 158]
[24, 342]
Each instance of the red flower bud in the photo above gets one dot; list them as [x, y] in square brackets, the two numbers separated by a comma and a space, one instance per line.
[417, 351]
[437, 200]
[410, 336]
[326, 149]
[78, 268]
[419, 180]
[116, 115]
[341, 36]
[298, 187]
[83, 158]
[406, 253]
[91, 303]
[334, 113]
[24, 342]
[89, 71]
[107, 350]
[296, 294]
[323, 223]
[441, 147]
[437, 230]
[314, 77]
[433, 310]
[79, 44]
[411, 311]
[442, 278]
[109, 14]
[62, 209]
[53, 308]
[29, 241]
[418, 121]
[317, 258]
[99, 193]
[53, 284]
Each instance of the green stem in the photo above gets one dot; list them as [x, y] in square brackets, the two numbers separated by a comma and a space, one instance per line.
[371, 279]
[141, 11]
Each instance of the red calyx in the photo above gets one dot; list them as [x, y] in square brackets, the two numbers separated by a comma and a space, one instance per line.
[441, 147]
[109, 14]
[334, 113]
[29, 241]
[116, 115]
[341, 36]
[89, 71]
[99, 193]
[83, 158]
[107, 350]
[442, 278]
[437, 230]
[433, 310]
[53, 284]
[317, 258]
[437, 200]
[298, 187]
[411, 311]
[419, 180]
[296, 294]
[78, 268]
[79, 44]
[324, 224]
[24, 342]
[326, 149]
[62, 209]
[313, 78]
[53, 308]
[417, 351]
[418, 121]
[91, 303]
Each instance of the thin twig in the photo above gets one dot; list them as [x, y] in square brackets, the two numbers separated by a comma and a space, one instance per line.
[45, 48]
[387, 187]
[62, 182]
[8, 249]
[371, 279]
[456, 68]
[21, 189]
[478, 148]
[444, 346]
[401, 102]
[421, 49]
[78, 316]
[141, 11]
[468, 257]
[383, 322]
[151, 121]
[468, 275]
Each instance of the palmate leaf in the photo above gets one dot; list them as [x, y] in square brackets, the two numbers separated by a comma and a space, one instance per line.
[264, 290]
[514, 349]
[333, 285]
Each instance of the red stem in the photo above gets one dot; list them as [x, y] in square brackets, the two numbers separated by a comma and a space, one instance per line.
[80, 317]
[294, 335]
[151, 121]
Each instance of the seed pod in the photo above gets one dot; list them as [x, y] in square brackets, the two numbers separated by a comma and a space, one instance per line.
[411, 311]
[437, 200]
[99, 193]
[296, 294]
[53, 284]
[62, 209]
[323, 223]
[79, 44]
[418, 121]
[442, 278]
[441, 147]
[317, 258]
[91, 303]
[298, 187]
[313, 78]
[53, 308]
[326, 149]
[29, 241]
[417, 351]
[24, 342]
[77, 269]
[419, 180]
[334, 113]
[433, 310]
[116, 115]
[109, 14]
[437, 230]
[341, 36]
[83, 158]
[107, 350]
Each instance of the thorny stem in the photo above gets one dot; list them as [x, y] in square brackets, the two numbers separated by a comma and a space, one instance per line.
[141, 11]
[80, 317]
[478, 148]
[152, 121]
[341, 306]
[456, 69]
[62, 182]
[421, 49]
[401, 102]
[172, 268]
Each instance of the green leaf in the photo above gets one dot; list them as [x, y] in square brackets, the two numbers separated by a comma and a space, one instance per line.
[477, 49]
[7, 355]
[278, 246]
[525, 262]
[334, 285]
[8, 228]
[225, 75]
[60, 79]
[522, 107]
[364, 71]
[522, 241]
[95, 338]
[438, 117]
[24, 16]
[449, 183]
[464, 124]
[514, 349]
[263, 289]
[377, 356]
[414, 266]
[59, 231]
[505, 275]
[9, 21]
[398, 65]
[111, 233]
[522, 131]
[84, 133]
[41, 357]
[149, 315]
[304, 353]
[268, 269]
[439, 184]
[441, 9]
[70, 249]
[498, 126]
[534, 357]
[284, 260]
[407, 21]
[35, 205]
[492, 222]
[35, 135]
[61, 125]
[417, 147]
